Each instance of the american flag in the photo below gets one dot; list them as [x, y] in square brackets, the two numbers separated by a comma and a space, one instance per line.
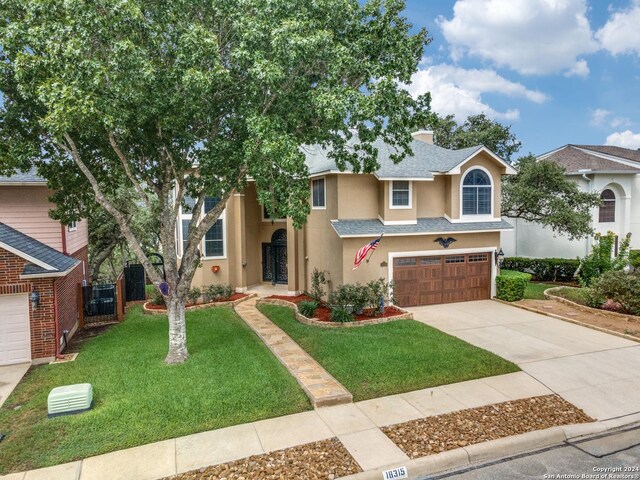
[362, 253]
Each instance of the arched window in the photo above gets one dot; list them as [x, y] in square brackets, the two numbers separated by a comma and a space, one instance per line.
[608, 207]
[476, 193]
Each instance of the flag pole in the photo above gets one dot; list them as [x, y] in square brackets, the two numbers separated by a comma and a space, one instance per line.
[372, 251]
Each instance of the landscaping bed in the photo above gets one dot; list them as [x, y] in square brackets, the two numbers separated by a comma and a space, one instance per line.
[391, 357]
[324, 460]
[323, 312]
[231, 301]
[229, 379]
[431, 435]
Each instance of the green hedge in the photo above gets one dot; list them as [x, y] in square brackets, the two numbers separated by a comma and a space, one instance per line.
[544, 269]
[510, 285]
[634, 258]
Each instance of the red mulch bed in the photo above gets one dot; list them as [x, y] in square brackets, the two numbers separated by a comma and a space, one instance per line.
[235, 296]
[323, 313]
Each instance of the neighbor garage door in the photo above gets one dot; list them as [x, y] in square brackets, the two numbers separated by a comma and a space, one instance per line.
[441, 279]
[15, 338]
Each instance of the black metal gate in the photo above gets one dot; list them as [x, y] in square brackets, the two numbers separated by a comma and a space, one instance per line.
[99, 303]
[134, 282]
[274, 258]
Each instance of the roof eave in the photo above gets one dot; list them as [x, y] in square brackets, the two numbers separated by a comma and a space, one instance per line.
[413, 234]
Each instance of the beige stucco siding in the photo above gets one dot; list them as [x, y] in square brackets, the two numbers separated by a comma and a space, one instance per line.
[357, 196]
[430, 197]
[398, 214]
[26, 208]
[323, 247]
[378, 266]
[496, 171]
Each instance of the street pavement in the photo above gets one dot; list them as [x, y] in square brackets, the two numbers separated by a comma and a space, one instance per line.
[610, 456]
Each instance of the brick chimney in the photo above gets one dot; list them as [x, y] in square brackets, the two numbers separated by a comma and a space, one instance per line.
[425, 136]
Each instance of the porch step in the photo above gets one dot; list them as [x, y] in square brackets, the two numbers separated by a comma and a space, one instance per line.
[322, 389]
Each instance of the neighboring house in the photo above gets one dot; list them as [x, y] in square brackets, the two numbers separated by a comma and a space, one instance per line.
[434, 194]
[614, 173]
[38, 257]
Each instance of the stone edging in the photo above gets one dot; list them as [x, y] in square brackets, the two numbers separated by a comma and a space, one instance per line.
[231, 303]
[570, 320]
[406, 315]
[548, 294]
[487, 451]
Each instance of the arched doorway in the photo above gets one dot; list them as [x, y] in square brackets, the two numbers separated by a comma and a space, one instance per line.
[274, 258]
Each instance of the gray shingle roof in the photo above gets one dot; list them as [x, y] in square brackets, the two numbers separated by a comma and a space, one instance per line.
[426, 160]
[24, 177]
[56, 261]
[425, 226]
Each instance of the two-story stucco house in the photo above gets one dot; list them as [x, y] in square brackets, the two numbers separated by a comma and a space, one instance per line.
[434, 195]
[613, 173]
[41, 264]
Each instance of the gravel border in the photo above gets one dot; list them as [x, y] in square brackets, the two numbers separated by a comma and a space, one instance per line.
[324, 460]
[431, 435]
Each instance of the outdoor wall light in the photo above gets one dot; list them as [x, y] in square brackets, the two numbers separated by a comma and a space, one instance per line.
[35, 299]
[215, 268]
[244, 263]
[499, 254]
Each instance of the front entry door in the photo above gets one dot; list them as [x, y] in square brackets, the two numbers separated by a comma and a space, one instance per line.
[274, 258]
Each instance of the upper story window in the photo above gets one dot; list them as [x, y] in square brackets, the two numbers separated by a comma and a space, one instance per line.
[608, 208]
[400, 194]
[318, 199]
[73, 226]
[476, 193]
[213, 244]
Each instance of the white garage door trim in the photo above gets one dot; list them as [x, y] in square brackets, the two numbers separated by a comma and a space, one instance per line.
[15, 331]
[447, 251]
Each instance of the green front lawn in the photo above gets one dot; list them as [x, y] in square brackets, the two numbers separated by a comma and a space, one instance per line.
[230, 378]
[389, 358]
[535, 291]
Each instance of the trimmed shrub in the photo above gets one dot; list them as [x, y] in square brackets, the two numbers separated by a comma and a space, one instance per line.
[510, 285]
[355, 298]
[619, 288]
[318, 279]
[308, 308]
[219, 292]
[341, 315]
[634, 258]
[544, 269]
[157, 298]
[194, 295]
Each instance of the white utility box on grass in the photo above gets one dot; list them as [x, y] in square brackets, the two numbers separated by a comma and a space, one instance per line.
[70, 399]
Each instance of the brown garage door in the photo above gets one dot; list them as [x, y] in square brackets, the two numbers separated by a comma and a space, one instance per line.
[441, 279]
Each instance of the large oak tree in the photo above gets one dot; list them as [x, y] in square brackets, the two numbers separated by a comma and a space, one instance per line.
[195, 98]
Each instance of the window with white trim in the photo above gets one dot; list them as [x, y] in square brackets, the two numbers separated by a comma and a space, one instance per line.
[401, 194]
[73, 226]
[213, 242]
[318, 198]
[476, 193]
[607, 211]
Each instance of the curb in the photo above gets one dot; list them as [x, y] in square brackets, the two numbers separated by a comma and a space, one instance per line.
[199, 306]
[487, 451]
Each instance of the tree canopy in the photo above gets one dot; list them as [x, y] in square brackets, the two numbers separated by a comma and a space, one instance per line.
[476, 130]
[194, 98]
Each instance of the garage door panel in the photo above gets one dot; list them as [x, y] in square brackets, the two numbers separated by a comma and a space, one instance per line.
[442, 279]
[15, 336]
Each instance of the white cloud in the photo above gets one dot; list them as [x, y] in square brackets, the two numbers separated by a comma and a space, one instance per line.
[529, 36]
[458, 91]
[621, 33]
[580, 69]
[600, 117]
[626, 139]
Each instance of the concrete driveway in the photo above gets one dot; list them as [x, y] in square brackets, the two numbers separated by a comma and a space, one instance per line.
[595, 371]
[10, 376]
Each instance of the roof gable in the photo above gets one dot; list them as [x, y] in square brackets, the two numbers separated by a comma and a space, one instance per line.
[588, 158]
[45, 260]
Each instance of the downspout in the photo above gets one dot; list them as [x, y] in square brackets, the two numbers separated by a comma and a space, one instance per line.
[55, 317]
[584, 175]
[64, 239]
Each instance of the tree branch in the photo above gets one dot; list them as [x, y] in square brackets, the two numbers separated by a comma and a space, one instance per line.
[127, 169]
[104, 202]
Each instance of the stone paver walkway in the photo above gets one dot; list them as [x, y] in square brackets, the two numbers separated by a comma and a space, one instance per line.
[356, 425]
[321, 388]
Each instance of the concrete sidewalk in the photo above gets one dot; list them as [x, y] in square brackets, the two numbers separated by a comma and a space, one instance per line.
[356, 425]
[10, 376]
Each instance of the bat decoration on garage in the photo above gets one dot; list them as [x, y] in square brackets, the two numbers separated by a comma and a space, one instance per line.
[445, 242]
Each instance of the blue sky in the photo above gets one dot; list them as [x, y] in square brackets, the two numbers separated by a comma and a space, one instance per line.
[557, 71]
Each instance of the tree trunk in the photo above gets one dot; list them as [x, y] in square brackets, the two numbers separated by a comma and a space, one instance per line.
[177, 331]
